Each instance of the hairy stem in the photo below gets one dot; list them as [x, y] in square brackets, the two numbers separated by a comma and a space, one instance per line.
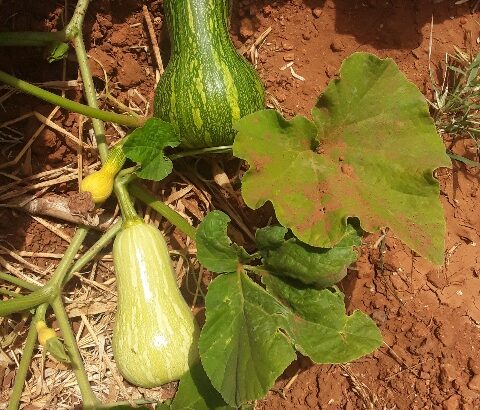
[202, 151]
[91, 95]
[104, 240]
[17, 281]
[64, 266]
[88, 397]
[26, 302]
[39, 39]
[53, 288]
[7, 292]
[74, 27]
[27, 354]
[30, 38]
[140, 192]
[69, 104]
[126, 205]
[127, 404]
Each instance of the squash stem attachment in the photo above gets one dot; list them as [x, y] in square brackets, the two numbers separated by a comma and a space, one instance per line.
[122, 180]
[172, 216]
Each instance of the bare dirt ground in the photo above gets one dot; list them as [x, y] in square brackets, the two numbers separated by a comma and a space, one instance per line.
[429, 317]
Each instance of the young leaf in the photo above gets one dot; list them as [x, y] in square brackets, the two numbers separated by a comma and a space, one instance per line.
[215, 250]
[319, 325]
[241, 346]
[370, 154]
[196, 392]
[313, 266]
[146, 146]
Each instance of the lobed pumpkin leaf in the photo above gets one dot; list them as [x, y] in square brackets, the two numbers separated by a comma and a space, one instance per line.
[370, 153]
[146, 147]
[249, 335]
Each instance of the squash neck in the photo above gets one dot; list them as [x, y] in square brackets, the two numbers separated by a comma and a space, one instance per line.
[207, 20]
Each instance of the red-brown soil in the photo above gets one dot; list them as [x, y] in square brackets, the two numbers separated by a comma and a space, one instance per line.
[429, 317]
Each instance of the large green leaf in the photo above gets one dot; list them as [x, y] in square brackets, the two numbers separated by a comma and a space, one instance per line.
[370, 153]
[294, 259]
[146, 146]
[319, 325]
[249, 335]
[241, 347]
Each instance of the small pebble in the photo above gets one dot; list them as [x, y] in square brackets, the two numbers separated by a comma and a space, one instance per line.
[267, 10]
[437, 278]
[379, 316]
[317, 12]
[246, 28]
[474, 383]
[281, 97]
[474, 365]
[452, 403]
[337, 46]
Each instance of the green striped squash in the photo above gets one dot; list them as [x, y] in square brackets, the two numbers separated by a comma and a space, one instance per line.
[155, 335]
[207, 85]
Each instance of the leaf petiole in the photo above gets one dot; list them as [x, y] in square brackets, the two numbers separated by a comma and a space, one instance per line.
[39, 39]
[70, 105]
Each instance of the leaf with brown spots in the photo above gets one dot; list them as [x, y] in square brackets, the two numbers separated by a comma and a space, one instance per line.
[370, 153]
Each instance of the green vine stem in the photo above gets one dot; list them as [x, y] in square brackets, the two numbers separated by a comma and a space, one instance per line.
[22, 371]
[18, 282]
[74, 27]
[29, 38]
[70, 105]
[129, 214]
[26, 302]
[64, 266]
[91, 95]
[53, 288]
[124, 404]
[202, 151]
[87, 394]
[88, 397]
[7, 292]
[103, 241]
[140, 192]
